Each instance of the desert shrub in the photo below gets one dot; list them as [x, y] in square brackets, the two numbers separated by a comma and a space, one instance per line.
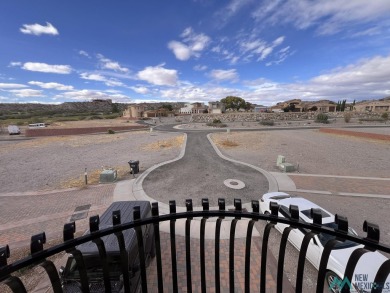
[322, 118]
[218, 124]
[110, 131]
[267, 122]
[216, 121]
[385, 116]
[347, 117]
[112, 116]
[63, 119]
[20, 123]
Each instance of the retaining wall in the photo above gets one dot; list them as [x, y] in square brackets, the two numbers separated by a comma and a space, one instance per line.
[291, 116]
[75, 131]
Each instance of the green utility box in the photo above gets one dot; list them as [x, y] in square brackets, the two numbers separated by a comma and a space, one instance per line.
[108, 176]
[287, 167]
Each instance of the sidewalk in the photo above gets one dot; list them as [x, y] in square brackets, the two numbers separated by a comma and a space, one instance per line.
[333, 185]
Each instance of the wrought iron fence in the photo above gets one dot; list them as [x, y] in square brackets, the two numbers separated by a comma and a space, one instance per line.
[39, 255]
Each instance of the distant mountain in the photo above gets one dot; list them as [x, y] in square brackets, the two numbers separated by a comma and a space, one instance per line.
[104, 106]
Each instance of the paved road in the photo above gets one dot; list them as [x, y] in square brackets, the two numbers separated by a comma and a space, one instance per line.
[201, 173]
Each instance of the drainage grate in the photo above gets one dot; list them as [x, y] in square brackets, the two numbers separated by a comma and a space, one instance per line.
[82, 208]
[78, 216]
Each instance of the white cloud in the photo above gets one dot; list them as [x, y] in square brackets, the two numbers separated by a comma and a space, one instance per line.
[247, 48]
[99, 77]
[200, 67]
[92, 76]
[181, 51]
[329, 17]
[111, 65]
[83, 53]
[113, 82]
[47, 68]
[367, 71]
[140, 89]
[158, 75]
[15, 64]
[11, 85]
[278, 41]
[281, 55]
[192, 44]
[37, 29]
[52, 85]
[226, 13]
[25, 93]
[266, 52]
[221, 75]
[364, 79]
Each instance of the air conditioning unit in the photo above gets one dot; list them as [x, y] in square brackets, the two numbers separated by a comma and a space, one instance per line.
[108, 176]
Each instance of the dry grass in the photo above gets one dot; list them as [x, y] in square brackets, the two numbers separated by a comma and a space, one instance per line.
[175, 142]
[243, 140]
[228, 143]
[94, 177]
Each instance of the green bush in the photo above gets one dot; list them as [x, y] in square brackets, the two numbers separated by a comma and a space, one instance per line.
[385, 116]
[267, 122]
[110, 131]
[347, 117]
[322, 118]
[215, 121]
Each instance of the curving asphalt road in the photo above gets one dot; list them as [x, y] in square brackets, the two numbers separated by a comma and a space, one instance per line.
[201, 173]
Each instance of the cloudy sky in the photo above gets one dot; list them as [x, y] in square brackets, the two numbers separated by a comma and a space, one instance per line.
[193, 50]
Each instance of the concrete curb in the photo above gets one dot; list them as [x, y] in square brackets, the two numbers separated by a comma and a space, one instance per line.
[273, 184]
[139, 193]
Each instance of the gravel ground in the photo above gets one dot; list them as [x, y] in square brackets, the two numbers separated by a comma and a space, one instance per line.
[45, 163]
[318, 153]
[315, 152]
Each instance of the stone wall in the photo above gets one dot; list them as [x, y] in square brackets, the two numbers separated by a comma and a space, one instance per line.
[290, 116]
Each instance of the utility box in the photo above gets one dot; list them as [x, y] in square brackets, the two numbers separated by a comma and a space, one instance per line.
[108, 176]
[287, 167]
[280, 160]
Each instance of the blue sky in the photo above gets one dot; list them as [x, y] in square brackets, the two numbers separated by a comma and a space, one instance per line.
[193, 50]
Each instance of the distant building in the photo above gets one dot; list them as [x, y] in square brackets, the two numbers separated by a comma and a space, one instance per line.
[373, 106]
[216, 108]
[194, 108]
[134, 111]
[260, 109]
[324, 106]
[158, 113]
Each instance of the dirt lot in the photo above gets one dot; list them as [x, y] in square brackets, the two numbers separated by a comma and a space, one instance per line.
[315, 152]
[51, 162]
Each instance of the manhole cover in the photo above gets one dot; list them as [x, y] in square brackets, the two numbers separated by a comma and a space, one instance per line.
[234, 183]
